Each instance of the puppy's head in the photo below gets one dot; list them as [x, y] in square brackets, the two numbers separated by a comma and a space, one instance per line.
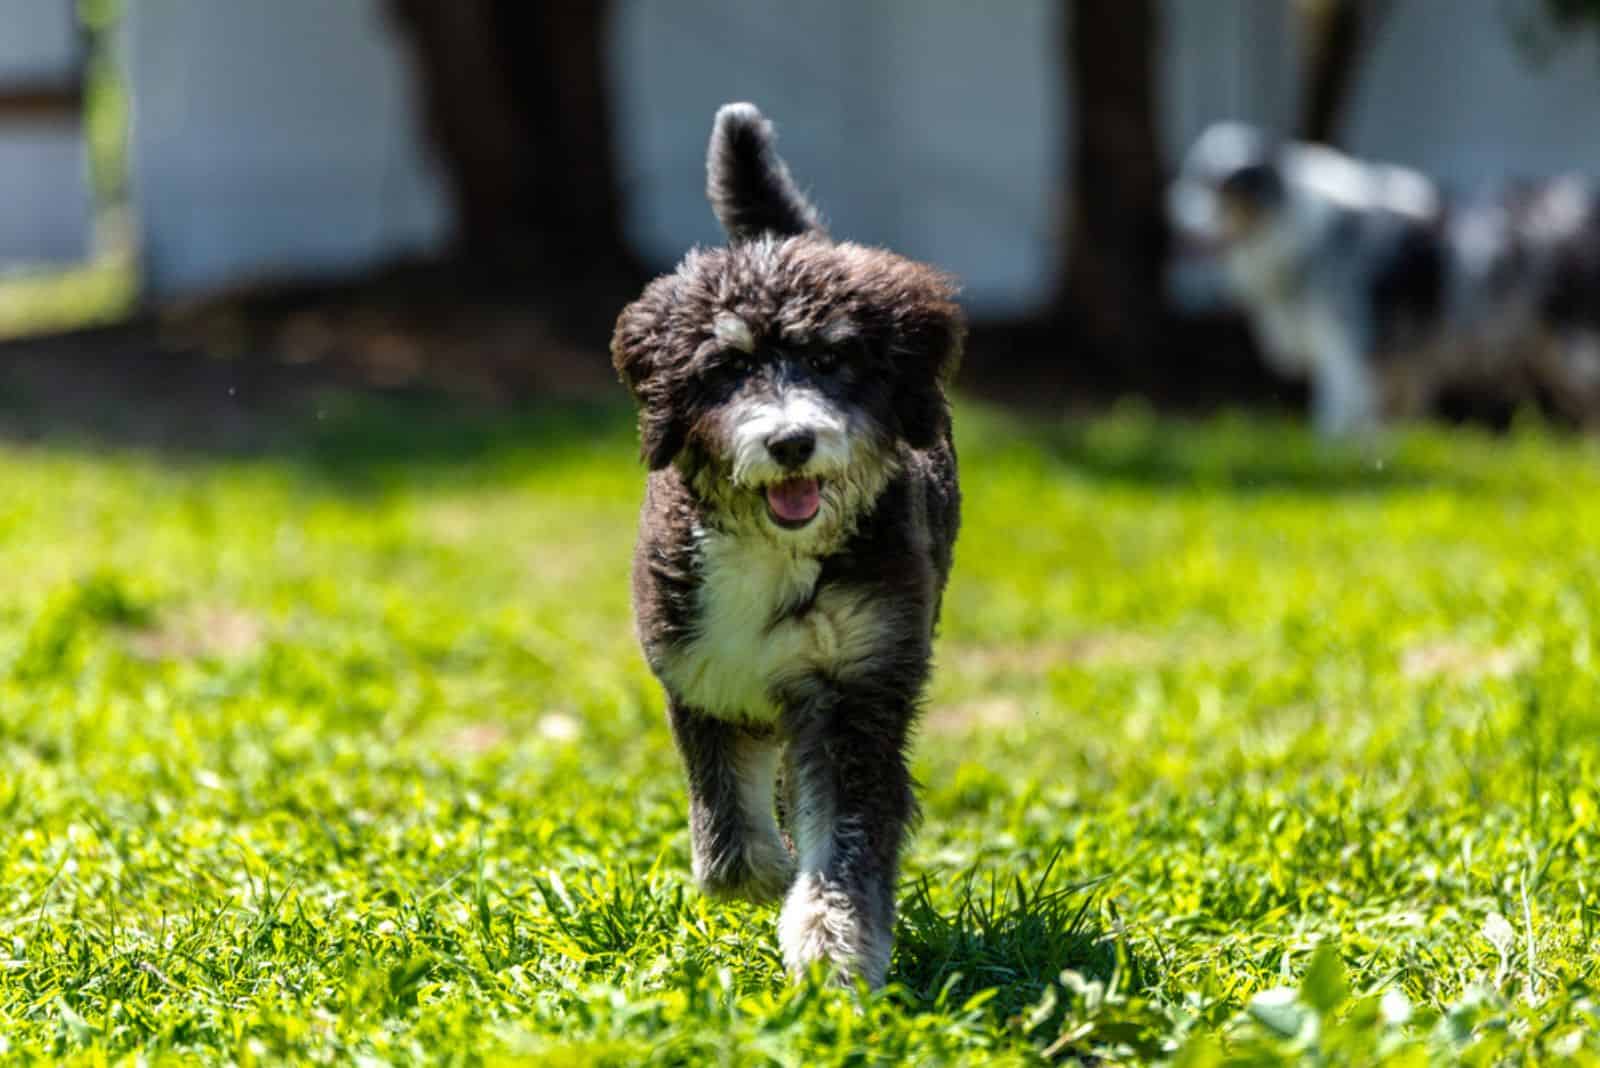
[1231, 185]
[784, 374]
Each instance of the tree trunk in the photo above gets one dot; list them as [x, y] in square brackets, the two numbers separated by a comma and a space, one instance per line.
[516, 97]
[1336, 35]
[1112, 285]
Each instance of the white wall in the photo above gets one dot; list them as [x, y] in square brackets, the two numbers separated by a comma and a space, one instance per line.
[1449, 90]
[273, 137]
[1225, 59]
[922, 124]
[47, 210]
[935, 126]
[44, 193]
[39, 41]
[280, 135]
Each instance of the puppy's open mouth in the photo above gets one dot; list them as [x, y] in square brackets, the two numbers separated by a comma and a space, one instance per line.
[794, 502]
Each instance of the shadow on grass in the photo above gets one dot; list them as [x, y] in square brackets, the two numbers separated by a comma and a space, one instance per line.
[120, 392]
[363, 442]
[1014, 939]
[1241, 456]
[123, 390]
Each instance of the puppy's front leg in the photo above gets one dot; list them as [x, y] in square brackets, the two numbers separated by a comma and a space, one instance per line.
[849, 806]
[733, 829]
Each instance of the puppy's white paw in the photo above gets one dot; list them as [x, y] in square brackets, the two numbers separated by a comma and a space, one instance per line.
[822, 922]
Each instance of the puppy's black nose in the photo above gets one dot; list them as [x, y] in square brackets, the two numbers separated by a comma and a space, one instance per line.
[791, 448]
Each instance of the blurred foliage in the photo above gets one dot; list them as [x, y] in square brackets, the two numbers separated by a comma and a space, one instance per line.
[1548, 28]
[106, 129]
[1571, 12]
[1242, 749]
[106, 124]
[106, 287]
[101, 291]
[99, 16]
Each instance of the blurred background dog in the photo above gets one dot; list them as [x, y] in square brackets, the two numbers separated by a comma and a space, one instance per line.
[1382, 289]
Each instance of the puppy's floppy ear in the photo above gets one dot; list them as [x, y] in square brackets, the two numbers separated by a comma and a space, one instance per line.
[637, 354]
[748, 184]
[930, 333]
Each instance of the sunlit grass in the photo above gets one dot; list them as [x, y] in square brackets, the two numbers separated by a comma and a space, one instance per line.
[1240, 747]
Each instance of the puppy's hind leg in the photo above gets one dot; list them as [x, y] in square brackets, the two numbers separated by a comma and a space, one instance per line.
[850, 803]
[737, 849]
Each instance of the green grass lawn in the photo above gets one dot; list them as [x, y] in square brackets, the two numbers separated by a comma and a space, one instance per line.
[1241, 750]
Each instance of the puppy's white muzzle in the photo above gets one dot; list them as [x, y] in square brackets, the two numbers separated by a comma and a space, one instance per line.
[760, 427]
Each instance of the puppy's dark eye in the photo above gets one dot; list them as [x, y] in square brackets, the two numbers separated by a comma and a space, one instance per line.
[824, 361]
[728, 369]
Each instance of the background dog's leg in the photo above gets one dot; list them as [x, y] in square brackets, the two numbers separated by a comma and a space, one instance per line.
[1344, 387]
[1409, 386]
[733, 827]
[849, 804]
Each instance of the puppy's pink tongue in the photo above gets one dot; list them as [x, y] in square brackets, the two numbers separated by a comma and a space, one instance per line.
[794, 500]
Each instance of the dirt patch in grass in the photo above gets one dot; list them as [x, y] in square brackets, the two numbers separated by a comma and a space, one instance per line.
[476, 739]
[986, 714]
[1461, 660]
[207, 633]
[1110, 648]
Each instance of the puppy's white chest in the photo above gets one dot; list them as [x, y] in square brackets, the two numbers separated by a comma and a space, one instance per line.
[762, 623]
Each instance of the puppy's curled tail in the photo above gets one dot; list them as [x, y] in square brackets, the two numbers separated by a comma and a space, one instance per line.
[748, 183]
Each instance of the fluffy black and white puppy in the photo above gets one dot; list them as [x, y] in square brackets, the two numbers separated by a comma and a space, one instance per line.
[796, 536]
[1383, 290]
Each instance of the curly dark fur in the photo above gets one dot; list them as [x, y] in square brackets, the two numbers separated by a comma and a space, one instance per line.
[748, 184]
[806, 648]
[909, 328]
